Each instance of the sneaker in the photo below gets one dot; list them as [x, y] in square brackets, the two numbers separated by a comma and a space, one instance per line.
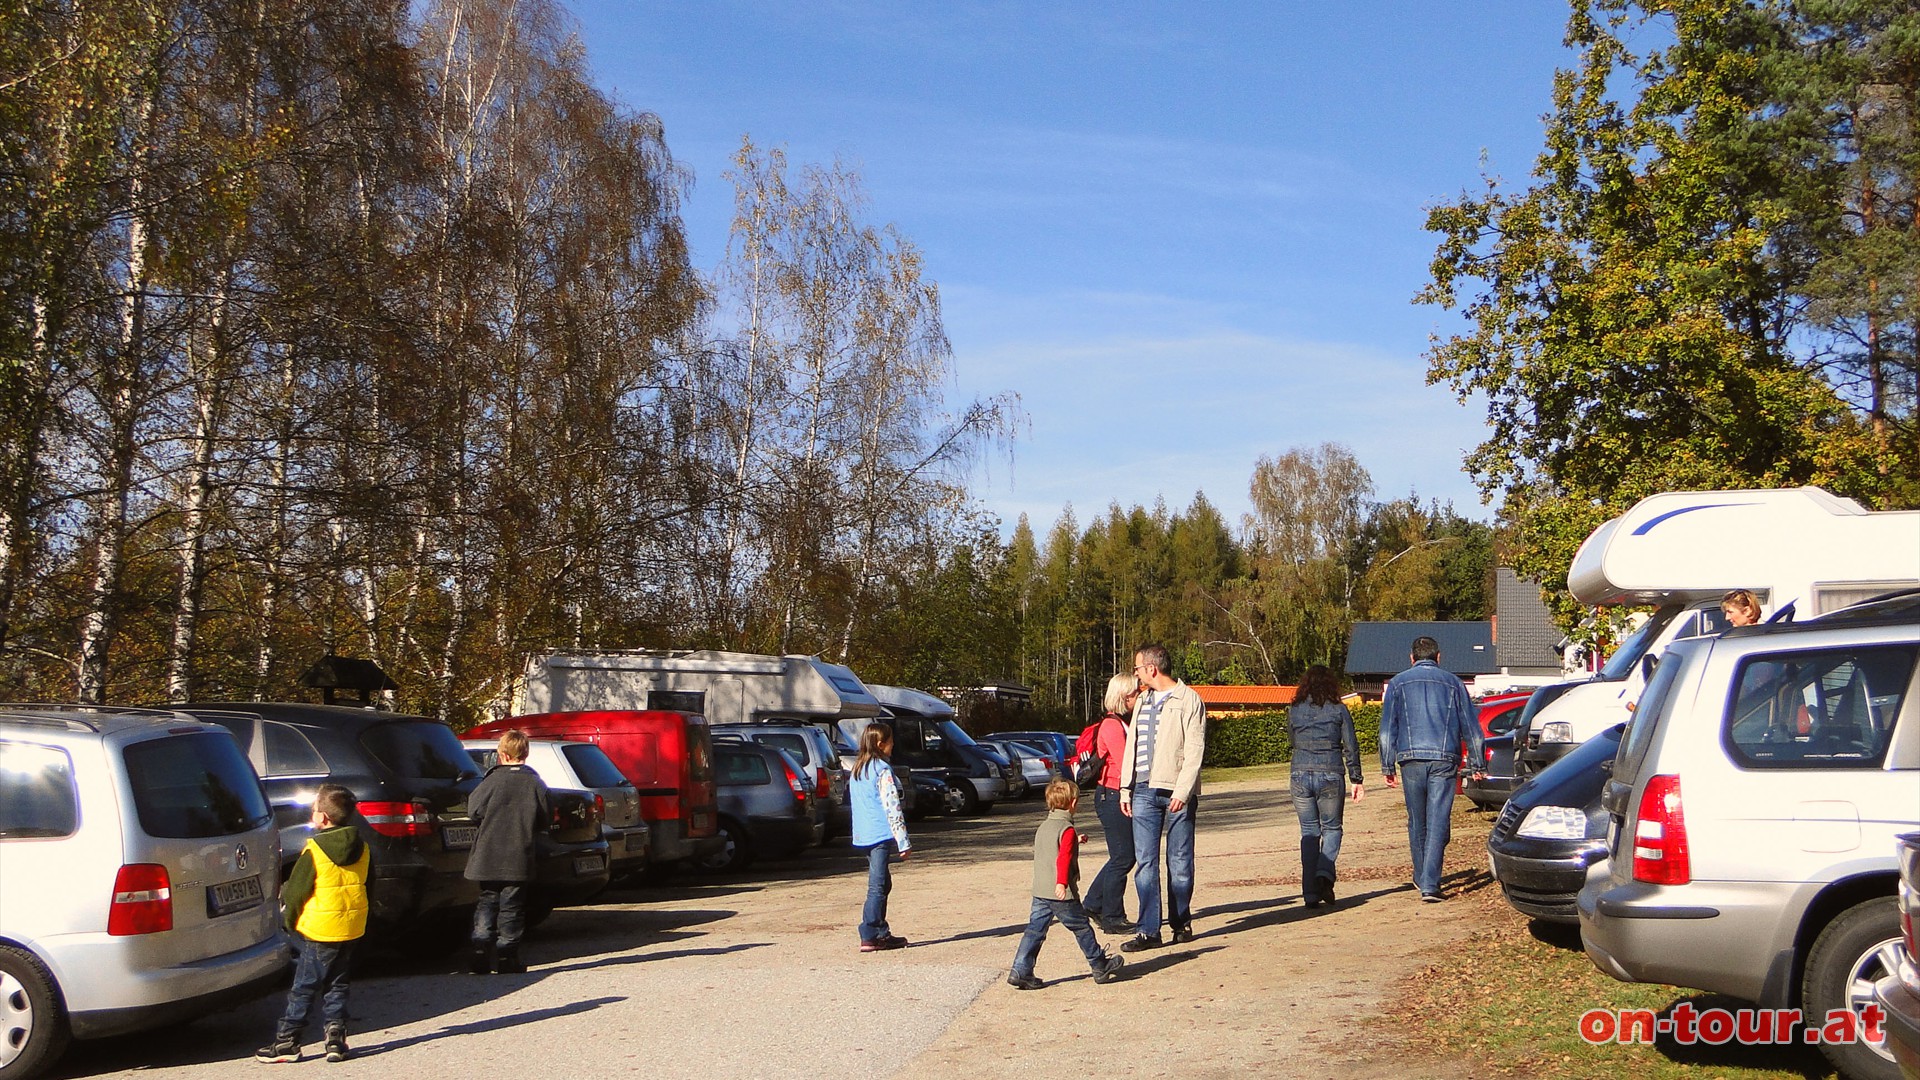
[1141, 943]
[1108, 969]
[337, 1043]
[891, 941]
[507, 961]
[1024, 982]
[480, 961]
[1182, 935]
[278, 1052]
[1326, 893]
[1431, 898]
[1115, 926]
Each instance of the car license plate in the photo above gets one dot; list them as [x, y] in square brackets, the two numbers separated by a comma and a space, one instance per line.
[458, 837]
[587, 864]
[231, 896]
[636, 841]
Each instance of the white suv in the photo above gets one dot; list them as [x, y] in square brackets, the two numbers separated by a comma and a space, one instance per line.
[139, 867]
[1754, 805]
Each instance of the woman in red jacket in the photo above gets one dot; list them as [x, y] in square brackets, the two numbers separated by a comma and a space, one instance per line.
[1106, 897]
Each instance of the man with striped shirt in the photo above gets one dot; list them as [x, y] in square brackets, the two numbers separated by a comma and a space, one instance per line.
[1160, 790]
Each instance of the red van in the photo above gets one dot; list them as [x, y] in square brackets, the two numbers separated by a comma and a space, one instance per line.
[667, 755]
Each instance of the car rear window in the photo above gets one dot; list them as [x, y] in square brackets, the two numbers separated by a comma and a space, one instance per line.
[194, 786]
[740, 770]
[1818, 709]
[592, 765]
[781, 740]
[37, 799]
[419, 749]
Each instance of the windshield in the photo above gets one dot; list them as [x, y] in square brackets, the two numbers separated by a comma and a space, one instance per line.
[1621, 664]
[952, 731]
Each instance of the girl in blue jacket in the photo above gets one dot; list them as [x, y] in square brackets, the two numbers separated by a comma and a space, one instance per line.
[876, 820]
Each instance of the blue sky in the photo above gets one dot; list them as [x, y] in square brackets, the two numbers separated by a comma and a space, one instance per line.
[1186, 234]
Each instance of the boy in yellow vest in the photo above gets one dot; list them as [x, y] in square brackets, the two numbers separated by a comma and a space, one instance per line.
[326, 911]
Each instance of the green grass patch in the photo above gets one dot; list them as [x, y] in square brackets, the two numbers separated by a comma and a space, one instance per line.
[1276, 771]
[1509, 1002]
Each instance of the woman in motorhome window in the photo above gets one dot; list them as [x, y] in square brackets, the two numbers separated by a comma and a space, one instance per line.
[1740, 607]
[877, 820]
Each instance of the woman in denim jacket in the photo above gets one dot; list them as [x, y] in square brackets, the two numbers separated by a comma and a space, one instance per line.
[1323, 740]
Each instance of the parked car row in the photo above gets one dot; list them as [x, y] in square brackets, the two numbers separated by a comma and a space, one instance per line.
[1740, 834]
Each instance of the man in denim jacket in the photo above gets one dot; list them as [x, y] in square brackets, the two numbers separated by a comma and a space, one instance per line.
[1424, 719]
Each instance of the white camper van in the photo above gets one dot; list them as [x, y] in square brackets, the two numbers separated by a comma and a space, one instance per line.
[927, 737]
[724, 687]
[1682, 551]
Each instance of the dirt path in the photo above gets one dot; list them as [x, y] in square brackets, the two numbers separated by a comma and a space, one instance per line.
[760, 975]
[1266, 986]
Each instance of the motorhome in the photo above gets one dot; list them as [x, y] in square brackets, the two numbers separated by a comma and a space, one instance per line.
[724, 687]
[927, 737]
[1803, 551]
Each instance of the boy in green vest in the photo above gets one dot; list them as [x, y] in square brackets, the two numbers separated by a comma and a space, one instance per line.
[1056, 892]
[325, 899]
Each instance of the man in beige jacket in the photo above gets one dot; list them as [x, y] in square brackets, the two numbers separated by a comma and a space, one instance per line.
[1160, 790]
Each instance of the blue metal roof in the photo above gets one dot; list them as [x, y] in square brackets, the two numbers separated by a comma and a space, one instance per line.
[1381, 648]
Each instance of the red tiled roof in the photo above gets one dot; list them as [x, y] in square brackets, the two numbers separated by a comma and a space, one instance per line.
[1246, 695]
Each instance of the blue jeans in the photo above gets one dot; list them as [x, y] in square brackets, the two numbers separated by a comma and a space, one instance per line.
[1430, 787]
[1072, 916]
[1320, 798]
[1150, 821]
[1106, 898]
[501, 915]
[873, 919]
[321, 968]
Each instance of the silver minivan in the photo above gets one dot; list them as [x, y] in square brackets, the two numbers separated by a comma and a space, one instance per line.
[139, 873]
[1753, 807]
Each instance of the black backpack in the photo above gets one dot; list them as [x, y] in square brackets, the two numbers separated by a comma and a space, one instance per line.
[1087, 762]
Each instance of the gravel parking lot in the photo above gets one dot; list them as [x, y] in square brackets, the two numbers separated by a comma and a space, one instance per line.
[759, 976]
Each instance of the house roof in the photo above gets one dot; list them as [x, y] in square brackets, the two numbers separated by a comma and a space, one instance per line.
[1246, 695]
[1380, 648]
[1525, 635]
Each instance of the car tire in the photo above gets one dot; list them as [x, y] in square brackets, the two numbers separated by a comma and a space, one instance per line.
[33, 1019]
[440, 935]
[736, 852]
[969, 798]
[1855, 949]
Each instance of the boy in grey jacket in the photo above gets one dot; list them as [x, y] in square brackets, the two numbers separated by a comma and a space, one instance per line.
[1056, 892]
[509, 808]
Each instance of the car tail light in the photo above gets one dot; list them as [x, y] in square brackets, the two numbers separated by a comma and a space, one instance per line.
[1660, 854]
[824, 789]
[793, 781]
[1047, 762]
[402, 819]
[142, 901]
[599, 809]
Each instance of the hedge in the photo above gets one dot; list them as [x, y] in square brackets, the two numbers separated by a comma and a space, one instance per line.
[1264, 738]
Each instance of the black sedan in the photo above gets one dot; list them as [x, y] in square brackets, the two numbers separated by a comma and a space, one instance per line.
[1552, 829]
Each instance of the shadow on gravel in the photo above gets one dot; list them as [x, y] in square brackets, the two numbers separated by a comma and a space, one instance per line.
[1009, 930]
[531, 1016]
[1558, 935]
[1285, 910]
[650, 957]
[1799, 1058]
[1160, 960]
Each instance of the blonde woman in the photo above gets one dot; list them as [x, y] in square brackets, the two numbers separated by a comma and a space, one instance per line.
[1106, 898]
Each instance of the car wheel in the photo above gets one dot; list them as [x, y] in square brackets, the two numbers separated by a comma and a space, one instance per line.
[439, 935]
[1856, 949]
[969, 798]
[538, 911]
[736, 851]
[33, 1021]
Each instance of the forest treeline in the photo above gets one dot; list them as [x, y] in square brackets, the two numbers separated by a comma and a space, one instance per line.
[371, 326]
